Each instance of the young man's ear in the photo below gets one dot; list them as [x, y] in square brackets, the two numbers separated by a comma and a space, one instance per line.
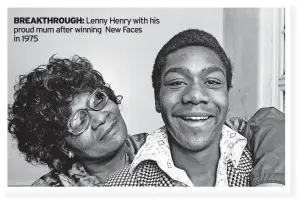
[157, 105]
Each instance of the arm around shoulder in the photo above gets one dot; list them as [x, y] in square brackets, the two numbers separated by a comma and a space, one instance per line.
[265, 132]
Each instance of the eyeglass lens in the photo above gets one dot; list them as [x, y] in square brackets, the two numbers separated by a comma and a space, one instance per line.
[80, 119]
[97, 100]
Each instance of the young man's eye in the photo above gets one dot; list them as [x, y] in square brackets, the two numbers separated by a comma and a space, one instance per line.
[176, 83]
[212, 83]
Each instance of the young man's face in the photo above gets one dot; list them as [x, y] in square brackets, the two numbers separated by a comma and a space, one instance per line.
[193, 98]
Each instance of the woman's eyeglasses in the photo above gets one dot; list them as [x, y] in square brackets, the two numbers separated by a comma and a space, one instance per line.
[80, 120]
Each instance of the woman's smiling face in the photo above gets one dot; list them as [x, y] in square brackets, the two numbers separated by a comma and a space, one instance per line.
[105, 134]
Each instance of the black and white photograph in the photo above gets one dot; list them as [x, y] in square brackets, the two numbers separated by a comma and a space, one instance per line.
[146, 97]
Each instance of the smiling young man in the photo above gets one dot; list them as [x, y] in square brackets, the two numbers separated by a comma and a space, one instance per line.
[193, 101]
[192, 76]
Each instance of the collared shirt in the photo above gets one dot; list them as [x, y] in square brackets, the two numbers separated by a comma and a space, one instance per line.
[157, 149]
[265, 135]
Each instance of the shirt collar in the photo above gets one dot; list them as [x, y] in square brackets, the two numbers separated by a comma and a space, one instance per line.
[232, 145]
[156, 148]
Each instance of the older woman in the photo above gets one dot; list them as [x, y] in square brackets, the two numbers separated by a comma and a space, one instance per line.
[66, 116]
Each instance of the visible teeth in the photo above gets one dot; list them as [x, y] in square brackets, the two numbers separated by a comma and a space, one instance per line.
[195, 118]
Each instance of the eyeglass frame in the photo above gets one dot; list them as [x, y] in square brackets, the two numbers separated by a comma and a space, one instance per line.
[86, 109]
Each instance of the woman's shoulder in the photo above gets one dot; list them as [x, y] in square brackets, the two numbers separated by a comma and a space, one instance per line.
[134, 143]
[50, 179]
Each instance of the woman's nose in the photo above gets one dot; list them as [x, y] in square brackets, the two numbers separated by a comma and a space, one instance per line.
[98, 118]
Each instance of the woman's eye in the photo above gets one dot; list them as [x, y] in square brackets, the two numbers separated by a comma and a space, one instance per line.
[82, 119]
[97, 101]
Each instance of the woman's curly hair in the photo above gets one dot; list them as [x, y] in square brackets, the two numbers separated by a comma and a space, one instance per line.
[38, 117]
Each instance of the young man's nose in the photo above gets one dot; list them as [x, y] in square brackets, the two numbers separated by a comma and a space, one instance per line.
[195, 94]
